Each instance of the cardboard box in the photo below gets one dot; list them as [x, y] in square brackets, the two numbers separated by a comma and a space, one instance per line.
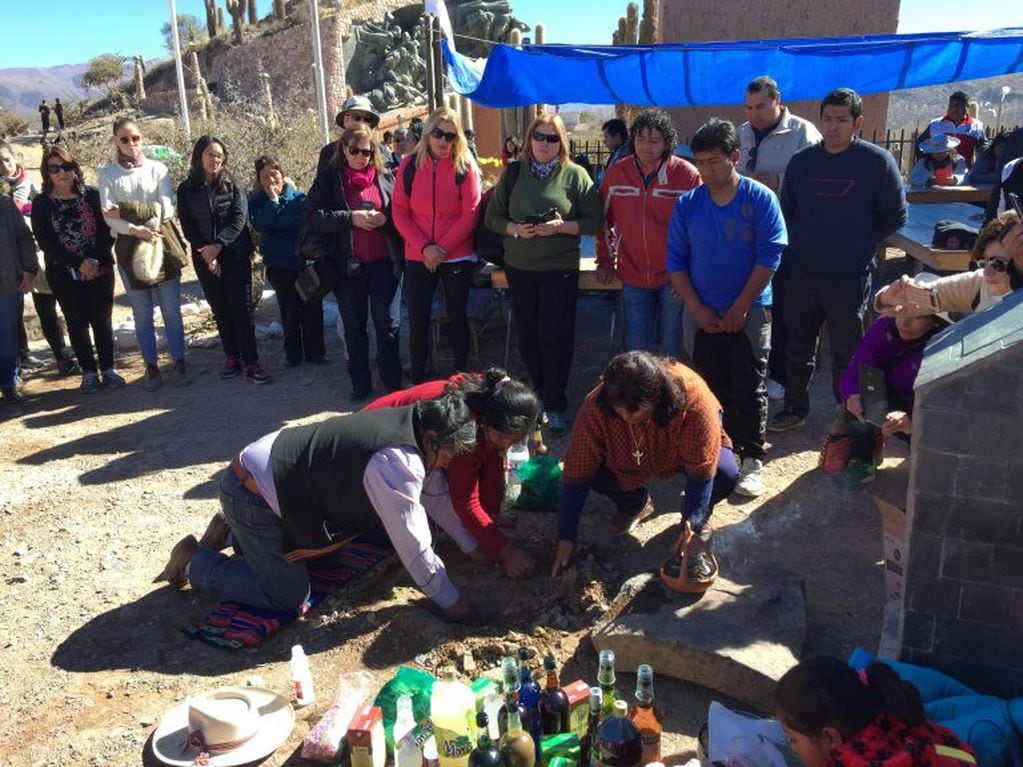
[578, 694]
[366, 738]
[893, 526]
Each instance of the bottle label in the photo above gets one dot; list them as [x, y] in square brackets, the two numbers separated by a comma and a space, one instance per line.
[452, 744]
[651, 746]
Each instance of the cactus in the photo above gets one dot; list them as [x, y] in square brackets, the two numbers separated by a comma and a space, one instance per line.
[253, 13]
[237, 10]
[211, 17]
[205, 101]
[649, 29]
[280, 10]
[632, 24]
[220, 18]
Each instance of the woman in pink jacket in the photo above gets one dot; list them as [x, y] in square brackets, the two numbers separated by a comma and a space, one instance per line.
[436, 194]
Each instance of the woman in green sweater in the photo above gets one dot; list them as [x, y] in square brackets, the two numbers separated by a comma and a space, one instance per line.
[542, 217]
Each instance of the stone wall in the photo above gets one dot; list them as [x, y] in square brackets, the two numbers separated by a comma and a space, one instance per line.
[963, 595]
[690, 21]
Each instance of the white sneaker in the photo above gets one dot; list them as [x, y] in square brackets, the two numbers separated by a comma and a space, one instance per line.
[775, 391]
[751, 483]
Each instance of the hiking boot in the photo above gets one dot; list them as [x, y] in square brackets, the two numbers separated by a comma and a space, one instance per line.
[857, 472]
[557, 424]
[231, 368]
[179, 374]
[256, 374]
[216, 533]
[180, 556]
[623, 524]
[90, 383]
[152, 379]
[775, 391]
[112, 380]
[68, 366]
[751, 482]
[786, 420]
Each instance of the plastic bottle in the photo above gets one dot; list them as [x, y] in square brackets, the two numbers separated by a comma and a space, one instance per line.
[620, 744]
[485, 754]
[453, 713]
[517, 455]
[301, 676]
[406, 754]
[491, 706]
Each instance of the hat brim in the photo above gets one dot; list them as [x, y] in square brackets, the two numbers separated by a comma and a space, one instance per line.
[276, 721]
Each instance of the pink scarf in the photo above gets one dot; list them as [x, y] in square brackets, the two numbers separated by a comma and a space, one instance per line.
[128, 162]
[358, 179]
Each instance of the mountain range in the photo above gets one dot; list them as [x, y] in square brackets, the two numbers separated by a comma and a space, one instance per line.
[21, 90]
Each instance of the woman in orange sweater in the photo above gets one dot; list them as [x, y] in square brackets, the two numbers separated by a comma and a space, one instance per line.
[649, 417]
[434, 209]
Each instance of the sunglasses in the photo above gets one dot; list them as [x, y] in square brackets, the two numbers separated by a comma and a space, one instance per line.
[64, 167]
[440, 135]
[999, 265]
[130, 139]
[359, 118]
[354, 151]
[751, 163]
[550, 138]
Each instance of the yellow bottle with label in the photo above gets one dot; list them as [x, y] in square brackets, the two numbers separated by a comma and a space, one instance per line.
[453, 713]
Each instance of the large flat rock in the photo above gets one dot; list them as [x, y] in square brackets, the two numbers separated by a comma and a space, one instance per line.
[738, 638]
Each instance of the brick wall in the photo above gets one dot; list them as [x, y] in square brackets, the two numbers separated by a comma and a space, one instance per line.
[963, 603]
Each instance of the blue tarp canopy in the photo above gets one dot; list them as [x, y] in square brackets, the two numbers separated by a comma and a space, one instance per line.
[709, 74]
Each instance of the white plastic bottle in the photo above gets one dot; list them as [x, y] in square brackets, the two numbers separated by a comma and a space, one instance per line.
[517, 455]
[491, 705]
[406, 754]
[301, 676]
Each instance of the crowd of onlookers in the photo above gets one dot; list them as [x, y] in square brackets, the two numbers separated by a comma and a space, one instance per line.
[733, 259]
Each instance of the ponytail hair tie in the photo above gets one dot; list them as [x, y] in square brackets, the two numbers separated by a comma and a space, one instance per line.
[862, 674]
[499, 384]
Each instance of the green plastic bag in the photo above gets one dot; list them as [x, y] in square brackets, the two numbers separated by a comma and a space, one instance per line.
[541, 484]
[407, 681]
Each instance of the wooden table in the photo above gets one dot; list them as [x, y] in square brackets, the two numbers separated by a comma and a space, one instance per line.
[940, 194]
[915, 237]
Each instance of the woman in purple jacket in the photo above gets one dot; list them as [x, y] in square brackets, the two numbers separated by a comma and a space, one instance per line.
[894, 345]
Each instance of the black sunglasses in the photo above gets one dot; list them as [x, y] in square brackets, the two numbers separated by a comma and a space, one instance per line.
[65, 167]
[999, 265]
[360, 118]
[550, 138]
[355, 151]
[130, 139]
[440, 135]
[751, 163]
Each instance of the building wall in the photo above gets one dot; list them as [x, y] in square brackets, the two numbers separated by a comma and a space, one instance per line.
[695, 21]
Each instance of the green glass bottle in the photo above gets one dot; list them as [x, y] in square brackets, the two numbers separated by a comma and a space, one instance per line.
[606, 680]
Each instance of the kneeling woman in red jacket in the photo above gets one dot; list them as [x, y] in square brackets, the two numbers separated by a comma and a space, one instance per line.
[506, 411]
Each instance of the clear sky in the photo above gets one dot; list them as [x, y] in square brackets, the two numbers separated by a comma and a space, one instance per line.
[82, 29]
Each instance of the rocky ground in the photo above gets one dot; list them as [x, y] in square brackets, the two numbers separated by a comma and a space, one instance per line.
[96, 489]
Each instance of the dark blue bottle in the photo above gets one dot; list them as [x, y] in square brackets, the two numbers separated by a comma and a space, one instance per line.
[529, 697]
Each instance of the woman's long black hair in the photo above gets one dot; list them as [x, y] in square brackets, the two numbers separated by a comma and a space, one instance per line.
[503, 403]
[196, 174]
[636, 380]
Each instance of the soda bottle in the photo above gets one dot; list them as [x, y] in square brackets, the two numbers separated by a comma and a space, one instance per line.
[453, 713]
[553, 702]
[485, 754]
[645, 715]
[606, 680]
[619, 742]
[516, 456]
[588, 750]
[517, 747]
[406, 754]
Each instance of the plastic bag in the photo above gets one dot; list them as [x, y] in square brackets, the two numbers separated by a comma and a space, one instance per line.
[407, 681]
[322, 743]
[541, 484]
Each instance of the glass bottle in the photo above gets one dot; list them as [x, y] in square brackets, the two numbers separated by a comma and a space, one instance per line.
[517, 748]
[645, 715]
[606, 680]
[539, 448]
[529, 696]
[510, 687]
[485, 754]
[588, 750]
[619, 742]
[553, 702]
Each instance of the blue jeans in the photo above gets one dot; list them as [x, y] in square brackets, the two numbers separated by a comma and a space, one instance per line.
[168, 295]
[653, 320]
[10, 316]
[261, 577]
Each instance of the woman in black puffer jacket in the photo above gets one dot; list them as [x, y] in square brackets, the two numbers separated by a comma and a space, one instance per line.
[213, 210]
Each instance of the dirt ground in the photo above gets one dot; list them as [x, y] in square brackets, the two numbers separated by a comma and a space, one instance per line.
[96, 489]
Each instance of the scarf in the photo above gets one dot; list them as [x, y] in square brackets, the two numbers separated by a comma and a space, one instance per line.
[543, 170]
[358, 179]
[127, 162]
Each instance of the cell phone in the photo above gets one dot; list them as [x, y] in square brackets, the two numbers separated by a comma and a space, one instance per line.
[540, 218]
[1015, 203]
[873, 394]
[367, 205]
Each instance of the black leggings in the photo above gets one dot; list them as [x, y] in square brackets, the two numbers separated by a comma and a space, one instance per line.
[87, 305]
[420, 286]
[229, 296]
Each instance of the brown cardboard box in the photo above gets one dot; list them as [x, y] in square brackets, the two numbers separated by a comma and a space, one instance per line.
[578, 694]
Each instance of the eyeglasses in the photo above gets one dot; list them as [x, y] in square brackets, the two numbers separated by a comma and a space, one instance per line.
[359, 117]
[550, 138]
[64, 167]
[354, 151]
[751, 163]
[130, 139]
[441, 135]
[213, 155]
[999, 265]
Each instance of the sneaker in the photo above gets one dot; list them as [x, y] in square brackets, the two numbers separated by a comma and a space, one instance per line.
[29, 360]
[775, 391]
[179, 374]
[232, 367]
[557, 424]
[786, 420]
[751, 481]
[152, 379]
[90, 383]
[112, 380]
[68, 366]
[256, 374]
[857, 472]
[623, 524]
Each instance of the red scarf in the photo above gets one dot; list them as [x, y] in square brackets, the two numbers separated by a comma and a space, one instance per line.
[359, 189]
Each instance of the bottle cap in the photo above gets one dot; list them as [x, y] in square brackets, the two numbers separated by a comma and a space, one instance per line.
[645, 671]
[596, 698]
[607, 658]
[621, 708]
[297, 651]
[549, 663]
[448, 673]
[482, 720]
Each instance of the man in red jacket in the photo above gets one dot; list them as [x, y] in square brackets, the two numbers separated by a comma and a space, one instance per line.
[639, 193]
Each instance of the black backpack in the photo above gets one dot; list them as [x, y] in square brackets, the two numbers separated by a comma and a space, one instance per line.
[488, 243]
